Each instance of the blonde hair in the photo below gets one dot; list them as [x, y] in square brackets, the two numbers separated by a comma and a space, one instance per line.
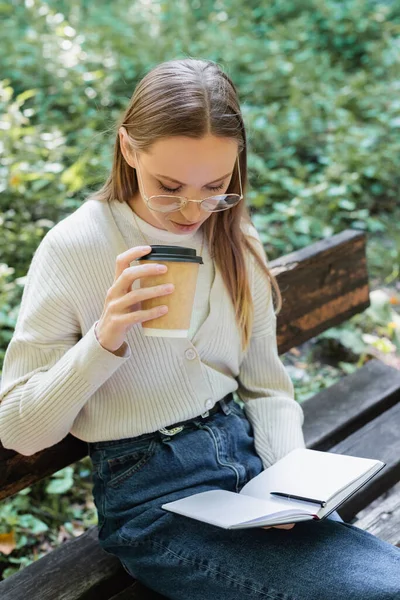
[193, 98]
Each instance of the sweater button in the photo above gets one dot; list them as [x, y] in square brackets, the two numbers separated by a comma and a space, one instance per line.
[190, 354]
[209, 403]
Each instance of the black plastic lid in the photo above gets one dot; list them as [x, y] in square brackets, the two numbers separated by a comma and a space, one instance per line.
[173, 253]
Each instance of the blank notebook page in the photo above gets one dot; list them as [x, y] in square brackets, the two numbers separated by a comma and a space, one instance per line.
[309, 473]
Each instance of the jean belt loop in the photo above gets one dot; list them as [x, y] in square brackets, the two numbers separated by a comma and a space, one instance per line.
[224, 404]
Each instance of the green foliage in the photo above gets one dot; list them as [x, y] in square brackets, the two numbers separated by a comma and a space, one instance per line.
[42, 516]
[319, 89]
[372, 333]
[10, 297]
[357, 334]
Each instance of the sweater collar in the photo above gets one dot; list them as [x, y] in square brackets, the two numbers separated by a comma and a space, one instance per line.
[147, 231]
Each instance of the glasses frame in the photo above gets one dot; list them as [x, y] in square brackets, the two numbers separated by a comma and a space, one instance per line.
[185, 198]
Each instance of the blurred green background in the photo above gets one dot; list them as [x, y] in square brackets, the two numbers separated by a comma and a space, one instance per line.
[319, 85]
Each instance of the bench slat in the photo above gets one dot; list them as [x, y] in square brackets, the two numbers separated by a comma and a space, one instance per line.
[377, 439]
[336, 412]
[382, 517]
[322, 285]
[79, 568]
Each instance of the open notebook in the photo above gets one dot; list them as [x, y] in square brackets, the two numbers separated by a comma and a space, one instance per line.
[323, 481]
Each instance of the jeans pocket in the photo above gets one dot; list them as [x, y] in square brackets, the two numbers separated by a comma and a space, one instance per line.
[128, 461]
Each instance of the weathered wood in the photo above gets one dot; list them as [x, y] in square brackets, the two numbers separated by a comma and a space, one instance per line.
[378, 439]
[321, 285]
[336, 412]
[382, 517]
[359, 416]
[79, 569]
[18, 472]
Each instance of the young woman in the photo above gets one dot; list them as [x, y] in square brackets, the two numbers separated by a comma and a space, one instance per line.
[158, 413]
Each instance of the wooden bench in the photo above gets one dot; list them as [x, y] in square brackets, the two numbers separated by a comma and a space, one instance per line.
[322, 285]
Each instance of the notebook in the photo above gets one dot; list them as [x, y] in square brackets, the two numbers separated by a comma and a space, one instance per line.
[312, 484]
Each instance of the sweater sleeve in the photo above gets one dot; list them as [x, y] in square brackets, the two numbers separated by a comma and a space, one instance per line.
[264, 384]
[50, 370]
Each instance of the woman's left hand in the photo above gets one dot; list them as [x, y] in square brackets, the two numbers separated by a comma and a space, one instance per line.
[287, 526]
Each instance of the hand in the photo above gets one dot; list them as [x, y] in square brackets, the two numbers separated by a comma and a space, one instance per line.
[286, 526]
[121, 307]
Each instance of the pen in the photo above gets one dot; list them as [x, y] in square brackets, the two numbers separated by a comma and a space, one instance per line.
[321, 502]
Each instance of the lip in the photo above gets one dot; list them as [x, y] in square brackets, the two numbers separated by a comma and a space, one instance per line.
[184, 227]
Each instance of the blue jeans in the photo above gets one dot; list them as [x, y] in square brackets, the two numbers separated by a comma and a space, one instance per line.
[182, 558]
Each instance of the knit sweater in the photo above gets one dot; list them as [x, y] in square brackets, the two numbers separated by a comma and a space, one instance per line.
[58, 379]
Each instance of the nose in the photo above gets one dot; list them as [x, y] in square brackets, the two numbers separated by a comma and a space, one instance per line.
[192, 212]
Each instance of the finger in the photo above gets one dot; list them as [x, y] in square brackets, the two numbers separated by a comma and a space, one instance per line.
[140, 294]
[140, 316]
[123, 285]
[123, 261]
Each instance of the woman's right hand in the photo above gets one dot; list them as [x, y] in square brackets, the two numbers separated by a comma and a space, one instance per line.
[121, 310]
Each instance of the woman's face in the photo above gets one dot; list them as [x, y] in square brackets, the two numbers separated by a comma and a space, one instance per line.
[203, 167]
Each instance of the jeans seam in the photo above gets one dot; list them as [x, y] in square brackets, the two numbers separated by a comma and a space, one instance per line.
[102, 494]
[219, 460]
[193, 563]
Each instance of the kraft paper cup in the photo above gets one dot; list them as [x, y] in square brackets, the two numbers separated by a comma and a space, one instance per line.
[183, 267]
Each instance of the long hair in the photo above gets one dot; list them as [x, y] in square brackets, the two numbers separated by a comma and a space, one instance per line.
[193, 98]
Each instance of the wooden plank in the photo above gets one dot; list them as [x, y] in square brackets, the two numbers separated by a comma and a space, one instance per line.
[18, 472]
[336, 412]
[378, 439]
[77, 569]
[382, 517]
[321, 285]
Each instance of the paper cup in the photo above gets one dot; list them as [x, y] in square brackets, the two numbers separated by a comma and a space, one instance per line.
[183, 267]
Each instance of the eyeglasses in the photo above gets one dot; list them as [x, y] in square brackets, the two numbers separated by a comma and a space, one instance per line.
[168, 203]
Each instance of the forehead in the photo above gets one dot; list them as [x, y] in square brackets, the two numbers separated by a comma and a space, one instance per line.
[192, 160]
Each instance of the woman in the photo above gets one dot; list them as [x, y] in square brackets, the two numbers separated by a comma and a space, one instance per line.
[158, 413]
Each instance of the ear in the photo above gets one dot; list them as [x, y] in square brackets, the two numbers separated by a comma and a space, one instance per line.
[126, 149]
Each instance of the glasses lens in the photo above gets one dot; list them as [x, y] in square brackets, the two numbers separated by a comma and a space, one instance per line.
[165, 203]
[222, 202]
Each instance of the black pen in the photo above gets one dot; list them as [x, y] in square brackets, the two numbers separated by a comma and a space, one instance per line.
[321, 502]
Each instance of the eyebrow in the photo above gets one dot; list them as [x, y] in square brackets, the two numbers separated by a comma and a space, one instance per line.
[180, 182]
